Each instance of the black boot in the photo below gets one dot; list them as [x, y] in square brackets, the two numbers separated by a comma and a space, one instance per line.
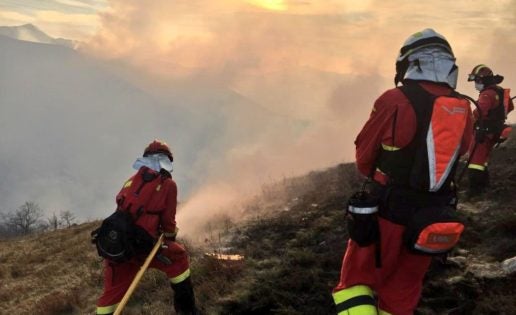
[184, 298]
[478, 182]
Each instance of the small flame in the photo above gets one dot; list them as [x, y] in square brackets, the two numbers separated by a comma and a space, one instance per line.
[225, 257]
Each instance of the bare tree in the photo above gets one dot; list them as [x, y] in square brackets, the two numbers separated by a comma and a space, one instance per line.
[54, 222]
[67, 217]
[4, 230]
[25, 218]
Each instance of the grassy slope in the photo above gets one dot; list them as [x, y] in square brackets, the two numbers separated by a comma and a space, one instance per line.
[293, 243]
[50, 273]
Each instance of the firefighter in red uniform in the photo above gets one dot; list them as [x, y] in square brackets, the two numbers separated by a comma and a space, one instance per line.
[155, 209]
[494, 103]
[385, 277]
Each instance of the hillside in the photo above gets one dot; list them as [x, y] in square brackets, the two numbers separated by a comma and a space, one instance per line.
[292, 241]
[87, 116]
[294, 256]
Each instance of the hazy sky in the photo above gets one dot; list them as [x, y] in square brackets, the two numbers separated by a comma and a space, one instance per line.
[256, 36]
[321, 63]
[72, 19]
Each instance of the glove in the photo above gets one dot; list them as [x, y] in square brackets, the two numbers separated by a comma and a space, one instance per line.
[480, 134]
[504, 135]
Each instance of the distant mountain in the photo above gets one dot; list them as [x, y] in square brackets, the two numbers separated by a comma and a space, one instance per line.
[67, 126]
[30, 33]
[71, 129]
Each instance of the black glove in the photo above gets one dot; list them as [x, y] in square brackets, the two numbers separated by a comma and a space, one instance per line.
[480, 134]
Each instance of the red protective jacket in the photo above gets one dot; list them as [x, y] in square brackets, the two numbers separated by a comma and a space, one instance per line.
[488, 99]
[378, 129]
[398, 281]
[159, 201]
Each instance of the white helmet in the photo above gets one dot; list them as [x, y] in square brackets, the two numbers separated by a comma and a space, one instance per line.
[426, 55]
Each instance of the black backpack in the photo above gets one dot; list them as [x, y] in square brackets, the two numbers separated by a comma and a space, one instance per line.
[119, 239]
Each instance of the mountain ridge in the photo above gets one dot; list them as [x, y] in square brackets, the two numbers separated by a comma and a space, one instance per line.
[31, 33]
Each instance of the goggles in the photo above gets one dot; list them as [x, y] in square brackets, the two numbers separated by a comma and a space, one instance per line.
[477, 79]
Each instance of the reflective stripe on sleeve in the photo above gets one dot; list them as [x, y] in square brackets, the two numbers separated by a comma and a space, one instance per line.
[362, 210]
[182, 277]
[477, 167]
[106, 309]
[171, 234]
[356, 300]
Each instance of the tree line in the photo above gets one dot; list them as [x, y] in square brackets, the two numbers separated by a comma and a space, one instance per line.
[30, 218]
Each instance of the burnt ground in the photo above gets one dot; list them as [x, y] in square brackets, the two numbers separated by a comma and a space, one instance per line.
[294, 248]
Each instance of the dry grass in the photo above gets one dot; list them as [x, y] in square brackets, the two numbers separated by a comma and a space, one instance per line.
[50, 273]
[293, 241]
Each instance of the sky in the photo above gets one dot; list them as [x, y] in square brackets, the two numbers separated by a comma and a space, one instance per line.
[260, 36]
[241, 37]
[71, 19]
[318, 63]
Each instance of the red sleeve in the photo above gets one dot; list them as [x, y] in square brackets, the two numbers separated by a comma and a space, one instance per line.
[487, 101]
[369, 140]
[168, 216]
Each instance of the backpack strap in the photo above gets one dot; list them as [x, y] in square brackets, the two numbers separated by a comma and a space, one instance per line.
[398, 164]
[147, 177]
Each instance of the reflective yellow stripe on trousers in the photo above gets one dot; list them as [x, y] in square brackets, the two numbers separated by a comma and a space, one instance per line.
[477, 167]
[181, 277]
[106, 309]
[355, 300]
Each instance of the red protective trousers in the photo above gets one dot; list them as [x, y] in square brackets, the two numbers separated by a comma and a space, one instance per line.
[480, 153]
[399, 280]
[118, 276]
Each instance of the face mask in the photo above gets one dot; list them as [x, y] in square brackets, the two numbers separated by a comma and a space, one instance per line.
[479, 86]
